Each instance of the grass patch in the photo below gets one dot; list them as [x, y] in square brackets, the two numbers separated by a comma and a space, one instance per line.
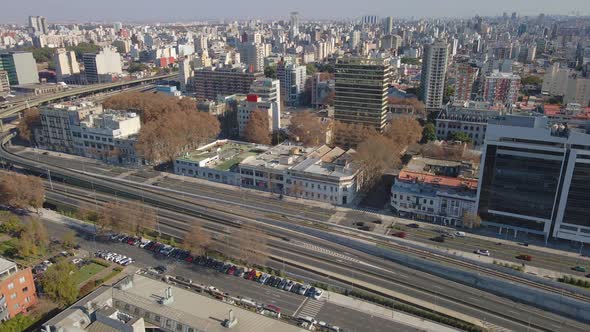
[87, 271]
[516, 267]
[113, 273]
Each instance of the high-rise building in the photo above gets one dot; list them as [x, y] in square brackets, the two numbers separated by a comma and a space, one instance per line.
[20, 66]
[101, 66]
[577, 91]
[65, 63]
[117, 26]
[252, 55]
[391, 42]
[355, 38]
[294, 24]
[185, 71]
[535, 178]
[388, 25]
[434, 70]
[361, 91]
[4, 83]
[38, 24]
[501, 88]
[264, 95]
[369, 20]
[292, 79]
[201, 43]
[466, 75]
[209, 83]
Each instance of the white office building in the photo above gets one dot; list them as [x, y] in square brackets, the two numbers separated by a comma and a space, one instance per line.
[292, 79]
[65, 63]
[102, 66]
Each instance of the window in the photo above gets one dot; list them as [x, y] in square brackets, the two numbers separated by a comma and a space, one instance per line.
[158, 318]
[13, 296]
[178, 327]
[401, 196]
[11, 285]
[431, 202]
[26, 289]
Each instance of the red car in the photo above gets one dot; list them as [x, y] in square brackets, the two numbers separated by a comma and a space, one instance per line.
[231, 270]
[189, 259]
[527, 258]
[401, 234]
[251, 274]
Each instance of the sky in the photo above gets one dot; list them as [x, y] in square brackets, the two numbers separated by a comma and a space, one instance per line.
[17, 11]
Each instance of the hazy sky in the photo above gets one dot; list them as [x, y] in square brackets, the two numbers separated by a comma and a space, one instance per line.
[17, 11]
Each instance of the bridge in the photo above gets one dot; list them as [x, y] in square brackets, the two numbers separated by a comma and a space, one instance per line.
[77, 92]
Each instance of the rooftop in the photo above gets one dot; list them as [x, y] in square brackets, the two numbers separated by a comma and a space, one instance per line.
[190, 308]
[6, 264]
[223, 155]
[431, 179]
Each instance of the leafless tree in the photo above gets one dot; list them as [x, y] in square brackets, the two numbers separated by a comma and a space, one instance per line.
[196, 240]
[21, 191]
[308, 129]
[471, 220]
[257, 129]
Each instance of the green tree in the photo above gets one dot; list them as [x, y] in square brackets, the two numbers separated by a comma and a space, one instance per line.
[459, 136]
[136, 67]
[429, 133]
[82, 48]
[311, 69]
[270, 71]
[532, 80]
[69, 239]
[17, 324]
[59, 283]
[449, 92]
[10, 224]
[410, 61]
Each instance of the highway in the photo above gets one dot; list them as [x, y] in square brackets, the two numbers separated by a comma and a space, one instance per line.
[386, 274]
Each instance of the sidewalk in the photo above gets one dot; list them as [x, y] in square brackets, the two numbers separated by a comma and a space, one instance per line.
[382, 312]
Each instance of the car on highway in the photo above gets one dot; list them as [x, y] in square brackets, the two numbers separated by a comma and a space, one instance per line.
[460, 234]
[413, 225]
[579, 268]
[402, 235]
[440, 239]
[527, 258]
[482, 252]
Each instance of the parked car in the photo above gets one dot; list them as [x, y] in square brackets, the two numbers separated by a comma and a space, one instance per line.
[318, 293]
[460, 234]
[303, 289]
[482, 252]
[401, 235]
[277, 282]
[263, 278]
[289, 285]
[527, 258]
[282, 283]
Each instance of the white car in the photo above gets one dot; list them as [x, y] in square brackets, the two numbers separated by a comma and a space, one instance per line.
[482, 252]
[303, 289]
[318, 293]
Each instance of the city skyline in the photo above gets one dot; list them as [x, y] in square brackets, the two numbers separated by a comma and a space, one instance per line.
[143, 11]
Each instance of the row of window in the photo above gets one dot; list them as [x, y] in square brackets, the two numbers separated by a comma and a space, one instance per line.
[152, 317]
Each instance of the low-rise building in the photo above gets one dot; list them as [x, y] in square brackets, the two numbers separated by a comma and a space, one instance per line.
[470, 118]
[253, 103]
[323, 174]
[434, 190]
[4, 83]
[17, 290]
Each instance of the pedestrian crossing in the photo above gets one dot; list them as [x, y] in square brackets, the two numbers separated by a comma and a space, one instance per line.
[495, 328]
[310, 308]
[328, 252]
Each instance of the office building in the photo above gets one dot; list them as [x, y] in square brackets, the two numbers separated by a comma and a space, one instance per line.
[294, 24]
[391, 42]
[388, 25]
[534, 178]
[434, 70]
[20, 66]
[501, 88]
[466, 75]
[4, 83]
[17, 290]
[577, 90]
[102, 66]
[292, 79]
[65, 64]
[209, 83]
[555, 81]
[361, 91]
[355, 39]
[185, 71]
[38, 24]
[369, 19]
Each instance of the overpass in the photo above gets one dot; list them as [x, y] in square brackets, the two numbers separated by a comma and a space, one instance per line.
[77, 92]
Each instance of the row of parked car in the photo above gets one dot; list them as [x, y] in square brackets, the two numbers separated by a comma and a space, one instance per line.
[222, 267]
[114, 257]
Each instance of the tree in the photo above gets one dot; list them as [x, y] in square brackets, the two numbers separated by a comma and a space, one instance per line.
[249, 245]
[414, 104]
[329, 99]
[69, 239]
[10, 224]
[196, 240]
[311, 69]
[429, 133]
[84, 47]
[459, 136]
[270, 71]
[451, 152]
[349, 135]
[471, 220]
[376, 154]
[257, 129]
[531, 80]
[21, 191]
[404, 131]
[39, 232]
[308, 129]
[31, 119]
[19, 323]
[137, 67]
[59, 283]
[410, 61]
[448, 93]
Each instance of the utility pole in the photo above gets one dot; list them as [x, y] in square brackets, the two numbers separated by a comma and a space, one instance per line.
[49, 176]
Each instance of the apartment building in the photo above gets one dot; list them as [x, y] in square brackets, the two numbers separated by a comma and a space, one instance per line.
[17, 290]
[466, 74]
[534, 178]
[292, 78]
[501, 88]
[4, 83]
[209, 83]
[100, 67]
[65, 63]
[254, 103]
[434, 69]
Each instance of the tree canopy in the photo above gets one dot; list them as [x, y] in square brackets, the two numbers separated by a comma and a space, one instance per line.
[410, 61]
[21, 191]
[59, 283]
[531, 80]
[257, 129]
[308, 129]
[30, 119]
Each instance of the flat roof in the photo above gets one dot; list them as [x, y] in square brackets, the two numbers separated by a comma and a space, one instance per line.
[230, 154]
[191, 308]
[5, 264]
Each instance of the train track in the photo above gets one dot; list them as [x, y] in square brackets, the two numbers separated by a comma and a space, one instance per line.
[388, 244]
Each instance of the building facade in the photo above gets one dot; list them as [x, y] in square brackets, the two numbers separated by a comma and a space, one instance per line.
[361, 91]
[434, 69]
[65, 64]
[102, 66]
[466, 76]
[501, 88]
[254, 103]
[209, 83]
[4, 83]
[469, 118]
[292, 78]
[20, 66]
[17, 290]
[535, 178]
